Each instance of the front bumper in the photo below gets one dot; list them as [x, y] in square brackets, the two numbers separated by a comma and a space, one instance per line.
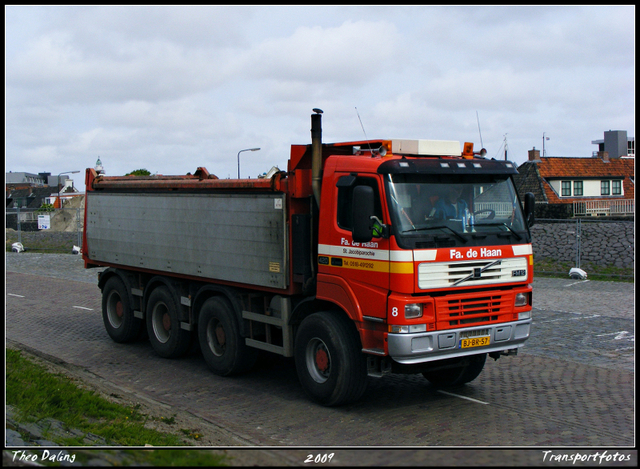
[429, 346]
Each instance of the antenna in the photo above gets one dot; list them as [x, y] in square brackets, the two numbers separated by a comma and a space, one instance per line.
[479, 131]
[505, 147]
[363, 131]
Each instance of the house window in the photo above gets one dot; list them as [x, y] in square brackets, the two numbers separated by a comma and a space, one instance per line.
[604, 187]
[566, 188]
[616, 187]
[577, 188]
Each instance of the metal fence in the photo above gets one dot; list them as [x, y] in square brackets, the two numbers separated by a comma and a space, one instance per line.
[604, 207]
[501, 209]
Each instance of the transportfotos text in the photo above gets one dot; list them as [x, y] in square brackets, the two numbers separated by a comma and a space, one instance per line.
[574, 458]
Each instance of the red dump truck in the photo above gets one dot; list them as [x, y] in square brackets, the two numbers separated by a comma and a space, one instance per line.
[356, 262]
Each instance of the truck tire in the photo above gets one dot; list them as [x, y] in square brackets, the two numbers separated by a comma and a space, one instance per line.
[117, 313]
[329, 360]
[223, 348]
[167, 338]
[458, 375]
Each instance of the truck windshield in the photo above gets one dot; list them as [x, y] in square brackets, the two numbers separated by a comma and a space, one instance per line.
[463, 210]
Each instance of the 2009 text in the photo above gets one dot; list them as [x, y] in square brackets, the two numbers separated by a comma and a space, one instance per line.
[319, 458]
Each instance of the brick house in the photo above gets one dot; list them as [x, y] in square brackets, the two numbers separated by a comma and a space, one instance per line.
[567, 187]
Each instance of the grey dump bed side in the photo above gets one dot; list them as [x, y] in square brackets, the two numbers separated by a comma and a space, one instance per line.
[230, 237]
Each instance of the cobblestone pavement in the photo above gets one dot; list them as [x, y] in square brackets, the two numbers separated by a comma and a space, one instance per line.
[571, 386]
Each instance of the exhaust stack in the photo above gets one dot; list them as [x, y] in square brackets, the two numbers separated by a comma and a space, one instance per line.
[316, 153]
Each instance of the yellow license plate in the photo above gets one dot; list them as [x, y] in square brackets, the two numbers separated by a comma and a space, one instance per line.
[474, 342]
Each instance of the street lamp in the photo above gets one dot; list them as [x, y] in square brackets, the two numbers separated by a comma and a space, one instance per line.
[60, 186]
[248, 149]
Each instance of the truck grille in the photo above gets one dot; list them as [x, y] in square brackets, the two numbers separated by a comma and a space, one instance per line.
[445, 274]
[454, 311]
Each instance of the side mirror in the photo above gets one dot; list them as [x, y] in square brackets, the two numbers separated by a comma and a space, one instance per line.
[529, 208]
[362, 211]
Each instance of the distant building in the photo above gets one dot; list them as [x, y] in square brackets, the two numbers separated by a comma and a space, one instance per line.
[99, 168]
[36, 180]
[41, 179]
[568, 186]
[616, 144]
[29, 191]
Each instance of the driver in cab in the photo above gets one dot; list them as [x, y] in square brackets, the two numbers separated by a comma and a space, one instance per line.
[451, 205]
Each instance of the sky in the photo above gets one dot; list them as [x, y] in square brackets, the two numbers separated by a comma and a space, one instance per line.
[173, 88]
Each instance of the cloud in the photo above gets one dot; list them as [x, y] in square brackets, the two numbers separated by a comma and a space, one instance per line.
[54, 67]
[173, 88]
[349, 54]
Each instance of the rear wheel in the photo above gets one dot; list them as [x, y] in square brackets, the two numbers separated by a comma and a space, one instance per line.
[167, 338]
[468, 370]
[330, 364]
[117, 313]
[223, 348]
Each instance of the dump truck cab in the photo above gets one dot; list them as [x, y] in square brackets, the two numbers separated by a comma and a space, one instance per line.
[427, 249]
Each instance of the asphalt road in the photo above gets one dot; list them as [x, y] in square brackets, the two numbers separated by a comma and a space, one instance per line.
[570, 389]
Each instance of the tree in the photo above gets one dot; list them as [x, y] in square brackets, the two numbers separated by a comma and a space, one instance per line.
[46, 208]
[139, 172]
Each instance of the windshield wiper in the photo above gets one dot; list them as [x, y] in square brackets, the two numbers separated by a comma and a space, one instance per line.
[501, 224]
[457, 235]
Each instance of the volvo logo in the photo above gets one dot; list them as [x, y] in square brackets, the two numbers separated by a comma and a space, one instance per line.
[477, 272]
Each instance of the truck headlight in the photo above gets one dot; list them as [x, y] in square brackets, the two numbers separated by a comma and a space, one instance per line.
[413, 310]
[521, 299]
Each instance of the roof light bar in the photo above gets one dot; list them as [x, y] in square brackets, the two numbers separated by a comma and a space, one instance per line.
[425, 147]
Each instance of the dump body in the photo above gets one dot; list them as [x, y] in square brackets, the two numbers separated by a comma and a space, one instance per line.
[226, 237]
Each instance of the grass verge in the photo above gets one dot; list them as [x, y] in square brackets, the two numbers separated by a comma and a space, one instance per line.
[37, 394]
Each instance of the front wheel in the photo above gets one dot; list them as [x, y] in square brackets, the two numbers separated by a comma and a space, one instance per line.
[468, 370]
[330, 364]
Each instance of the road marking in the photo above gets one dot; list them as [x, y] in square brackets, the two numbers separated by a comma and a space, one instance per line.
[462, 397]
[13, 294]
[82, 307]
[584, 317]
[618, 335]
[576, 283]
[581, 317]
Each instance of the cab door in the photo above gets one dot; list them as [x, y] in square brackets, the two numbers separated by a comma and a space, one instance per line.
[361, 268]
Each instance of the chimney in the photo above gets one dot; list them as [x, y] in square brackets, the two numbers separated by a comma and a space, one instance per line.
[534, 155]
[604, 155]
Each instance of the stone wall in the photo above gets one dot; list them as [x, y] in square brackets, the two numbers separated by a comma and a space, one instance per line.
[602, 243]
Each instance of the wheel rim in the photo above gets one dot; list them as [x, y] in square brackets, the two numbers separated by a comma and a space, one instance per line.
[318, 360]
[216, 337]
[115, 309]
[161, 321]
